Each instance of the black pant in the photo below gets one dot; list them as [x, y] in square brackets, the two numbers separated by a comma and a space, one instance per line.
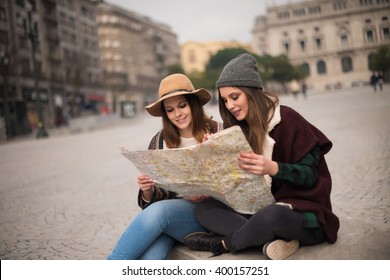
[243, 231]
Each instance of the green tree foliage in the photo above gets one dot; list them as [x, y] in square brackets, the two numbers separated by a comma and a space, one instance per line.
[176, 68]
[381, 60]
[300, 72]
[222, 57]
[277, 69]
[216, 64]
[281, 69]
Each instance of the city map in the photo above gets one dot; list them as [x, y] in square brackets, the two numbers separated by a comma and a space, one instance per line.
[209, 168]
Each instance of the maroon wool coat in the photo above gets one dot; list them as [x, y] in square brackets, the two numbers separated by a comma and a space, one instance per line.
[294, 138]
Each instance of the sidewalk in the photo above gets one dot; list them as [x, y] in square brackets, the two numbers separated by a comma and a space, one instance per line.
[70, 196]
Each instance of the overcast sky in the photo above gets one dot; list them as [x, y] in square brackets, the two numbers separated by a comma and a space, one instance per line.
[203, 20]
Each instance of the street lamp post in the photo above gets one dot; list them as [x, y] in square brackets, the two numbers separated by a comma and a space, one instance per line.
[31, 31]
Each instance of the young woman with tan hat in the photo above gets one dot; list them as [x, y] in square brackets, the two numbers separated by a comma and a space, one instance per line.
[164, 219]
[286, 147]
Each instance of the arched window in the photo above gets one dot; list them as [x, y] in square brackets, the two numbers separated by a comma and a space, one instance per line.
[346, 64]
[306, 68]
[321, 67]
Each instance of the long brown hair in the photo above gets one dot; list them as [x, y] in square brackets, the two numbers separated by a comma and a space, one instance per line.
[261, 107]
[200, 123]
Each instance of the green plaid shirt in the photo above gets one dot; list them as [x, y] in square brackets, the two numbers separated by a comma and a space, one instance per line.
[302, 174]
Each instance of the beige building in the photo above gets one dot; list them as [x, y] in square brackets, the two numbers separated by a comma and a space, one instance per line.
[135, 53]
[333, 39]
[196, 55]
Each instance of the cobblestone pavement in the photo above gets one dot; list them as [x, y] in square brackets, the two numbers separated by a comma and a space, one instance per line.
[71, 196]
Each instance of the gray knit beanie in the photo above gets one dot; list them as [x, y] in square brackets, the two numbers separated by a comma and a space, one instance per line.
[241, 71]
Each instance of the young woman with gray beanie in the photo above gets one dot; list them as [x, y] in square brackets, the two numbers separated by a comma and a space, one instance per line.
[286, 147]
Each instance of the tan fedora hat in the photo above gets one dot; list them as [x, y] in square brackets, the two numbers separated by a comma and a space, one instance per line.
[173, 85]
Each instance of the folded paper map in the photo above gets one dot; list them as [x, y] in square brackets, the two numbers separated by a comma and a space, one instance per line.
[209, 168]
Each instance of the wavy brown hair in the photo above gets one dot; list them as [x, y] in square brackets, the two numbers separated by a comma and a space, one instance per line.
[201, 123]
[261, 107]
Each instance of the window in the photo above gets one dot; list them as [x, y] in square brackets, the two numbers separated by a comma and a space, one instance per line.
[3, 15]
[87, 12]
[344, 35]
[306, 68]
[286, 47]
[344, 40]
[315, 10]
[346, 64]
[370, 36]
[366, 2]
[3, 37]
[385, 27]
[318, 43]
[386, 33]
[302, 45]
[339, 5]
[321, 67]
[285, 14]
[299, 12]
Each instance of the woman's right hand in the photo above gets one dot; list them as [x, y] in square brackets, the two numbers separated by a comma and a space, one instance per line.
[206, 137]
[146, 185]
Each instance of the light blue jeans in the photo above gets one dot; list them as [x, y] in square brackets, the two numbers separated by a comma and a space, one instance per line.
[154, 231]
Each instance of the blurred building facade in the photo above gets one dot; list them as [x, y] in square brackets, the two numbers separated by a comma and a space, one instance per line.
[79, 57]
[196, 55]
[136, 53]
[332, 39]
[66, 53]
[90, 56]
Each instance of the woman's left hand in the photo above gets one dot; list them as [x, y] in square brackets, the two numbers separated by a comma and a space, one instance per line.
[257, 164]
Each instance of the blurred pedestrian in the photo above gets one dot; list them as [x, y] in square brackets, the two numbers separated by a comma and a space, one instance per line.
[380, 81]
[373, 81]
[294, 87]
[304, 89]
[59, 116]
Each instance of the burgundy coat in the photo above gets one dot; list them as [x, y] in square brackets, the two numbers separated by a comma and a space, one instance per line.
[294, 138]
